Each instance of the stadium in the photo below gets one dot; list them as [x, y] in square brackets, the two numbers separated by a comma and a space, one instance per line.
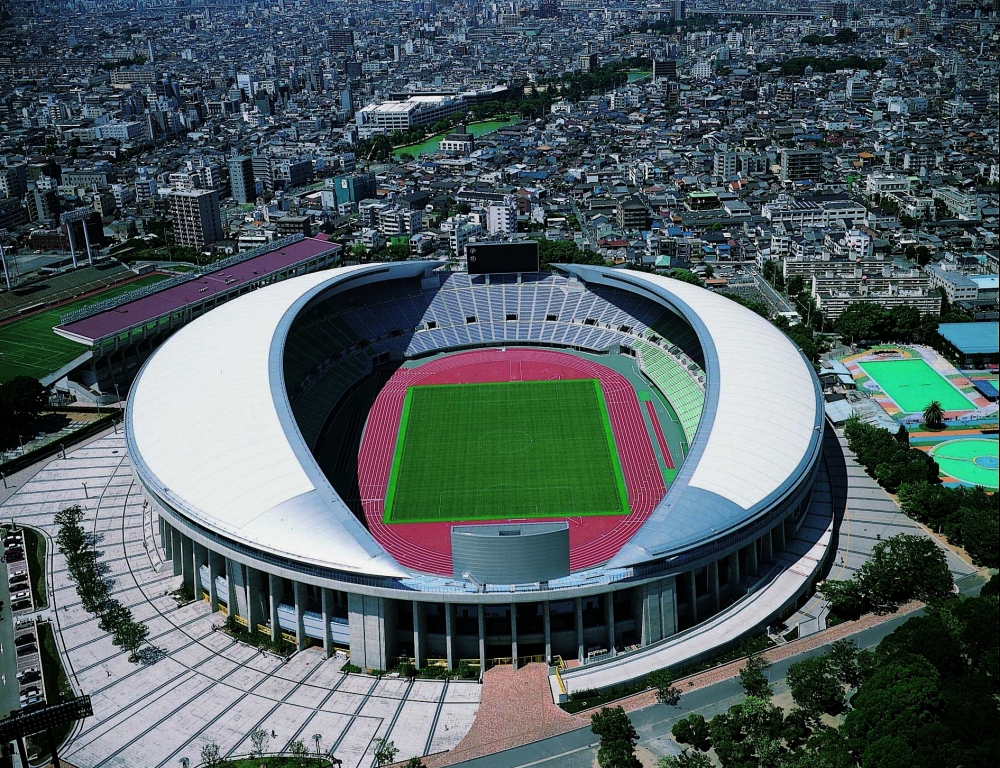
[405, 462]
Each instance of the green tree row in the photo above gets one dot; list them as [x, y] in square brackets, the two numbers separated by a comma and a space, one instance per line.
[969, 517]
[78, 547]
[888, 457]
[925, 697]
[22, 400]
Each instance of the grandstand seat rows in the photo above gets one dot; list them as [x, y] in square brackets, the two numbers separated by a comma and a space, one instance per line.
[332, 344]
[63, 286]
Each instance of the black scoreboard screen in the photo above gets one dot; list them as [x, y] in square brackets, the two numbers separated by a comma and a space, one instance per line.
[502, 258]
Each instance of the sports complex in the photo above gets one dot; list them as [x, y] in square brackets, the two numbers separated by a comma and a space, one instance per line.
[404, 462]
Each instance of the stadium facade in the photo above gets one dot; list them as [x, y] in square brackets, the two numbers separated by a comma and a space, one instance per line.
[227, 418]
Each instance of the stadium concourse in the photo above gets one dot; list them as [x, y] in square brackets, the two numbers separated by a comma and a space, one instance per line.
[264, 436]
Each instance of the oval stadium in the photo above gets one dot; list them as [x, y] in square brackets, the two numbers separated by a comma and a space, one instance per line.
[607, 470]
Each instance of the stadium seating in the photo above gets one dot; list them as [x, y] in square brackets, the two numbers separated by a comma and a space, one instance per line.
[53, 289]
[675, 382]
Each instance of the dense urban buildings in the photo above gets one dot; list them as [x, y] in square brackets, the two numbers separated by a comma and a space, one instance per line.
[255, 226]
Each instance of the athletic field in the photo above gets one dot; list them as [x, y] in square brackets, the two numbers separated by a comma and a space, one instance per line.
[504, 450]
[972, 460]
[913, 384]
[28, 347]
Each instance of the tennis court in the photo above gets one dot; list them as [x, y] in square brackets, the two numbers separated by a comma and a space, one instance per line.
[972, 461]
[505, 450]
[28, 347]
[913, 384]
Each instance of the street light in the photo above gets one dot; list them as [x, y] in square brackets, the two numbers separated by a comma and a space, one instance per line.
[318, 737]
[86, 495]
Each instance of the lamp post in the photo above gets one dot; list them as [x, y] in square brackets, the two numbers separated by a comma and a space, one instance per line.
[71, 217]
[85, 494]
[317, 737]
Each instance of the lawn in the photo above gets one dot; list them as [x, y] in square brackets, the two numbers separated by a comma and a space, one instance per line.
[28, 347]
[506, 450]
[57, 688]
[913, 384]
[34, 552]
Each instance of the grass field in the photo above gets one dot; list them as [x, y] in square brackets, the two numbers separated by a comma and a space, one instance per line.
[913, 384]
[507, 450]
[973, 461]
[28, 347]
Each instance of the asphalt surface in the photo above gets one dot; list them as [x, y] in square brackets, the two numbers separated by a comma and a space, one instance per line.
[578, 749]
[9, 691]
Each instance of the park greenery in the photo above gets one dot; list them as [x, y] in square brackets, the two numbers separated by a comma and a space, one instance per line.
[87, 573]
[22, 400]
[618, 738]
[888, 457]
[874, 324]
[925, 697]
[825, 64]
[843, 36]
[903, 567]
[968, 517]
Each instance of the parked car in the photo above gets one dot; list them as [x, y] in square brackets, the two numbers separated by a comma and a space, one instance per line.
[27, 693]
[21, 605]
[18, 578]
[29, 675]
[22, 595]
[13, 539]
[28, 637]
[33, 701]
[24, 650]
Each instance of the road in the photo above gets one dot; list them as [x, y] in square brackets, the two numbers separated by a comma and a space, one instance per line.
[9, 693]
[778, 302]
[578, 749]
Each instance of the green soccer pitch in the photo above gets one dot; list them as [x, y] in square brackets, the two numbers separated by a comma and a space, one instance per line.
[507, 450]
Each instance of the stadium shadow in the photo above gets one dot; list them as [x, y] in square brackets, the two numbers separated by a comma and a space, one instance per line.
[836, 464]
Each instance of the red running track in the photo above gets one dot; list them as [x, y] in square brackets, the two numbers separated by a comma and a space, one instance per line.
[593, 540]
[667, 459]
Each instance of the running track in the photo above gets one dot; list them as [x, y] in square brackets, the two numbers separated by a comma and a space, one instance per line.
[593, 540]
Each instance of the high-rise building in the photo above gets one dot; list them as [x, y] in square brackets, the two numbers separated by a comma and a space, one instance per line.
[664, 70]
[801, 164]
[589, 62]
[196, 216]
[241, 180]
[340, 40]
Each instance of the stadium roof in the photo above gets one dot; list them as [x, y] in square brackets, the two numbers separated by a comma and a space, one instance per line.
[972, 338]
[211, 430]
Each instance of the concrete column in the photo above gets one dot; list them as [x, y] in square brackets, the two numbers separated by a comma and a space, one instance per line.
[175, 550]
[299, 592]
[713, 584]
[275, 589]
[766, 550]
[254, 603]
[513, 634]
[232, 602]
[326, 608]
[578, 613]
[187, 563]
[547, 623]
[419, 634]
[449, 635]
[609, 618]
[693, 596]
[482, 639]
[372, 622]
[165, 538]
[200, 559]
[779, 532]
[752, 564]
[213, 574]
[734, 575]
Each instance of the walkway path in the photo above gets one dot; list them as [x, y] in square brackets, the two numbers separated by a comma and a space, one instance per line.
[203, 686]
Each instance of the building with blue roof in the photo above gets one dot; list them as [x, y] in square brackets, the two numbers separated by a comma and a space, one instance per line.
[975, 343]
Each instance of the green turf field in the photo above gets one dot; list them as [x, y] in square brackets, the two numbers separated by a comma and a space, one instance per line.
[913, 384]
[972, 461]
[508, 450]
[28, 347]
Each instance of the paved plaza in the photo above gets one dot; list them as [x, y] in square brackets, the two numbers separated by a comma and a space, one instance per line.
[204, 686]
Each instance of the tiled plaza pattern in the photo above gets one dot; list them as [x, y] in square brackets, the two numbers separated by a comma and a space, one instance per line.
[205, 687]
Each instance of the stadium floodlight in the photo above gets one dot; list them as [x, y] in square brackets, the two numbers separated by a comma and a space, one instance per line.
[4, 240]
[71, 217]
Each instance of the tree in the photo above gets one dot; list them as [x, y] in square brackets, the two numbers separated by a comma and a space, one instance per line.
[685, 760]
[618, 738]
[259, 740]
[905, 567]
[298, 748]
[114, 616]
[687, 276]
[752, 677]
[843, 658]
[749, 734]
[693, 730]
[211, 755]
[415, 762]
[21, 400]
[663, 681]
[815, 687]
[845, 598]
[934, 415]
[385, 752]
[130, 637]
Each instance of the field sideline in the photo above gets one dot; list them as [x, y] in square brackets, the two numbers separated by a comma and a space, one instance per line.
[505, 450]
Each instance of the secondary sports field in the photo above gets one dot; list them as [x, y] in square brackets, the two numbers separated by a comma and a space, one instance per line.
[972, 461]
[505, 450]
[913, 384]
[28, 347]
